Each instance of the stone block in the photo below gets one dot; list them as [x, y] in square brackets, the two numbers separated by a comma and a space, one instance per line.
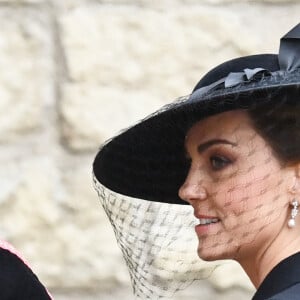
[123, 46]
[30, 212]
[91, 114]
[26, 70]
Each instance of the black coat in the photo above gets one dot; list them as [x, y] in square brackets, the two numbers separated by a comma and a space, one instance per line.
[17, 281]
[283, 282]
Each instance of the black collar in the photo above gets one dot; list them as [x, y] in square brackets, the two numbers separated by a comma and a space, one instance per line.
[282, 276]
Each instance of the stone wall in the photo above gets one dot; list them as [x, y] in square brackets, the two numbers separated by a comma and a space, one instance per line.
[73, 73]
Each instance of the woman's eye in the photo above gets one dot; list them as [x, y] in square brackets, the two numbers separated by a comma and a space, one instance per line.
[219, 162]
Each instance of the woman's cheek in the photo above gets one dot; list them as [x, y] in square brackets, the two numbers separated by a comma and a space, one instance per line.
[237, 197]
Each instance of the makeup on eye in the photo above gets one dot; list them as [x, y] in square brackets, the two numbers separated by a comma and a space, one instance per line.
[212, 143]
[206, 145]
[220, 155]
[218, 162]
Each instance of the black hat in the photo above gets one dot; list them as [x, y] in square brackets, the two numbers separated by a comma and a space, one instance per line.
[148, 161]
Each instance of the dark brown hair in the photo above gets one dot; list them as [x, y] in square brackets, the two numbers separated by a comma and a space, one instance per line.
[280, 126]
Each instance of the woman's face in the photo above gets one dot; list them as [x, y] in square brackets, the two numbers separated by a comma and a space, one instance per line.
[236, 186]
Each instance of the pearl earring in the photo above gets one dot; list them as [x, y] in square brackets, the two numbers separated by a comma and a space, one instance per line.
[294, 213]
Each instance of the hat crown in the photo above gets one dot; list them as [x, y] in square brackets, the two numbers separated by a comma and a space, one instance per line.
[288, 59]
[264, 61]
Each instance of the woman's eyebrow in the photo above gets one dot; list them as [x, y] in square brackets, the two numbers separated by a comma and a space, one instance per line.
[204, 146]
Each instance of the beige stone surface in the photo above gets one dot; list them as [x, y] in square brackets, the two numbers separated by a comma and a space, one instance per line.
[26, 71]
[149, 48]
[16, 2]
[92, 114]
[30, 211]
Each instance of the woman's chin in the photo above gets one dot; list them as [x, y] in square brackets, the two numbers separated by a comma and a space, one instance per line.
[212, 255]
[208, 257]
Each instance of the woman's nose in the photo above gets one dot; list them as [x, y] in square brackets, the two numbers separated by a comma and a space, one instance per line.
[192, 189]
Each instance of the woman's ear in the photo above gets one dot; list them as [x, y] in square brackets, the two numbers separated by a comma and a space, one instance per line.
[295, 184]
[297, 170]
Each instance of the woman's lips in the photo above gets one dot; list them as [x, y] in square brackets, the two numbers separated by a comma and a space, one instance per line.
[206, 224]
[206, 221]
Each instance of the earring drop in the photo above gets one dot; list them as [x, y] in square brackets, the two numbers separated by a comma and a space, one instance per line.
[294, 213]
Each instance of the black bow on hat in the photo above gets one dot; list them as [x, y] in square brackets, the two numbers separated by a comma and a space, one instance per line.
[288, 60]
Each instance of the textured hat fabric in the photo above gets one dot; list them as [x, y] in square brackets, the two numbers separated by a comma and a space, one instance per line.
[148, 161]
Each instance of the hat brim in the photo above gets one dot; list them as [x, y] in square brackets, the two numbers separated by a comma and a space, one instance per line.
[147, 161]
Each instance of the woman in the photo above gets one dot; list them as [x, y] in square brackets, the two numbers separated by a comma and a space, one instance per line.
[232, 151]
